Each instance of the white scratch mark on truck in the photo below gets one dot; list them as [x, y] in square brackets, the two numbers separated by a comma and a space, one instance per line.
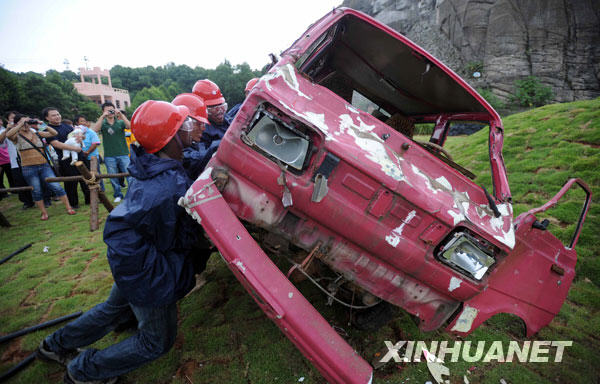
[288, 74]
[205, 174]
[316, 119]
[372, 144]
[443, 181]
[465, 320]
[352, 109]
[241, 266]
[454, 283]
[457, 216]
[498, 223]
[418, 172]
[393, 238]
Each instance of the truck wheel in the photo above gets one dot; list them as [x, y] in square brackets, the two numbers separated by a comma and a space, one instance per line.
[375, 317]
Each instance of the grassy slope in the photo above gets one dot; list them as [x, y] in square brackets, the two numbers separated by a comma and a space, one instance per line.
[225, 338]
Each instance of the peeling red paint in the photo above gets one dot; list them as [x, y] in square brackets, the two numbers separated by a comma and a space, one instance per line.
[391, 210]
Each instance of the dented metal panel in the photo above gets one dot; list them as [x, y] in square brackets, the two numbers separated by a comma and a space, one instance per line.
[386, 214]
[273, 292]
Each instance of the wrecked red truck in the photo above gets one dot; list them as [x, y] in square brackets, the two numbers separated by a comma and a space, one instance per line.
[321, 166]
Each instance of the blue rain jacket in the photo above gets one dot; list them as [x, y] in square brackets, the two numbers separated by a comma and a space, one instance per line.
[151, 240]
[197, 156]
[230, 115]
[214, 132]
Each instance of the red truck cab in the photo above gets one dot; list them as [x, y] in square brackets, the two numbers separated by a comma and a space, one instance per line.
[322, 155]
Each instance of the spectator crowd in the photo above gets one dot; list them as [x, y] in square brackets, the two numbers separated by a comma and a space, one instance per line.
[33, 149]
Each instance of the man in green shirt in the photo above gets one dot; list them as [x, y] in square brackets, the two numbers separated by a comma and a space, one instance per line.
[112, 125]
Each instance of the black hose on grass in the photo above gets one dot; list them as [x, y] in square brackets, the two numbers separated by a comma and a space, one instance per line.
[50, 323]
[15, 253]
[22, 364]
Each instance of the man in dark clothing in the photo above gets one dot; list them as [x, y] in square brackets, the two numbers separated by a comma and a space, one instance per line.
[216, 108]
[197, 155]
[54, 119]
[154, 251]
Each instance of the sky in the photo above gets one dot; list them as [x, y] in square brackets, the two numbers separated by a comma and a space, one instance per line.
[37, 35]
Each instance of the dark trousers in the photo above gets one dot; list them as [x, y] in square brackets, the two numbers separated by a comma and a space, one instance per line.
[19, 181]
[5, 170]
[66, 169]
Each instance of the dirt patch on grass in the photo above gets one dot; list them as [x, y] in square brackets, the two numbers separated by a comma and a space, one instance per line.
[13, 353]
[188, 368]
[558, 223]
[582, 142]
[31, 294]
[586, 126]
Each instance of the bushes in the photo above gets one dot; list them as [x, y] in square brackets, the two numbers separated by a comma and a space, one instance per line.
[494, 101]
[529, 92]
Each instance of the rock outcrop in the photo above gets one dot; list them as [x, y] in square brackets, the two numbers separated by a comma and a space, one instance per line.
[558, 41]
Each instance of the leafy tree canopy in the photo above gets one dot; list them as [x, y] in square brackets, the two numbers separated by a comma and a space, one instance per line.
[31, 92]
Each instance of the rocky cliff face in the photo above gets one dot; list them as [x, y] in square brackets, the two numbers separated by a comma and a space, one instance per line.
[558, 41]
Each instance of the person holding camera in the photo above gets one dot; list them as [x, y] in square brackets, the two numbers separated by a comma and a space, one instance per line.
[27, 136]
[17, 175]
[112, 125]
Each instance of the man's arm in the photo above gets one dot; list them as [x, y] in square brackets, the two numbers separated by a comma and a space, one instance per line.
[90, 149]
[48, 132]
[98, 124]
[12, 132]
[124, 118]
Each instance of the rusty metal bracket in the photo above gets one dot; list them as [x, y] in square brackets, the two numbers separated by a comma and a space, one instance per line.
[306, 262]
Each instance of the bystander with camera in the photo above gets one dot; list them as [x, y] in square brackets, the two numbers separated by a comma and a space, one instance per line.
[112, 125]
[27, 136]
[17, 175]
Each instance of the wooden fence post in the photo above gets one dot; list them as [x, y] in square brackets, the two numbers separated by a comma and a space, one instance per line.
[91, 179]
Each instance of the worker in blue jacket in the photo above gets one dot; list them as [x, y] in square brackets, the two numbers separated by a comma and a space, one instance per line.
[154, 251]
[216, 108]
[197, 155]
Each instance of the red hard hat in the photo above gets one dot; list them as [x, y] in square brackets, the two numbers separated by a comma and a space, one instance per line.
[154, 123]
[195, 104]
[209, 92]
[250, 84]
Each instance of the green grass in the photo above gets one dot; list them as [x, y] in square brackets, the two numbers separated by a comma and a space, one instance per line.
[225, 338]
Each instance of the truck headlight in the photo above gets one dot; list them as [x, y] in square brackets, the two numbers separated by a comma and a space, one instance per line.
[278, 140]
[465, 254]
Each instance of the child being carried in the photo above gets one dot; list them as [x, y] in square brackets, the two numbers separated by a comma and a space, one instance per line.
[75, 139]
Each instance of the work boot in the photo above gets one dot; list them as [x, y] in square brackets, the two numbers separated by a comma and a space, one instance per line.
[45, 353]
[68, 379]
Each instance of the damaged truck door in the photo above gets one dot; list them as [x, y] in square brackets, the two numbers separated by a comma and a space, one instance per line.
[321, 165]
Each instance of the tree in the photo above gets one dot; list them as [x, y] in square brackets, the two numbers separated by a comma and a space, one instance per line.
[171, 80]
[11, 92]
[31, 92]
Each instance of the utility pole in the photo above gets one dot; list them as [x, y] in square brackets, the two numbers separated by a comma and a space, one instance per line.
[66, 63]
[85, 58]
